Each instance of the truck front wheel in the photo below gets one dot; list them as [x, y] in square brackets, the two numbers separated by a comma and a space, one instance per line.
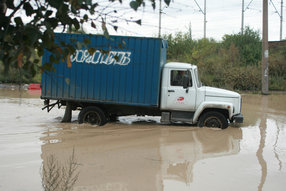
[213, 119]
[92, 115]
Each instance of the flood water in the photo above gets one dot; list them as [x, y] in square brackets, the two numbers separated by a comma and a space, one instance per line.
[139, 153]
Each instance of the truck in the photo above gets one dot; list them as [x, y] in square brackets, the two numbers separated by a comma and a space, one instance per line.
[130, 76]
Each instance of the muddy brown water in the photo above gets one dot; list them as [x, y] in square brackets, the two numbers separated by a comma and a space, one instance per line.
[137, 153]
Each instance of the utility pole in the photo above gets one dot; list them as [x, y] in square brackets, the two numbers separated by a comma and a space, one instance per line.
[205, 19]
[242, 17]
[242, 14]
[205, 15]
[281, 19]
[280, 16]
[160, 13]
[265, 52]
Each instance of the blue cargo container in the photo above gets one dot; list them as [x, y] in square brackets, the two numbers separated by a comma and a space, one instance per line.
[126, 75]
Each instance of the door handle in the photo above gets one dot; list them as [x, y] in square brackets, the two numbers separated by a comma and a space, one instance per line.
[171, 90]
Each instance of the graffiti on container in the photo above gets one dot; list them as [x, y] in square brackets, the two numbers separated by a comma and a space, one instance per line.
[112, 58]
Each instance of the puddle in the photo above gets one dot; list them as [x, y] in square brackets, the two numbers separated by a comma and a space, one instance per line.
[137, 153]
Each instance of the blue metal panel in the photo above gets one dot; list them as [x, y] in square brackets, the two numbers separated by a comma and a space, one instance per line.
[149, 74]
[129, 71]
[128, 74]
[136, 71]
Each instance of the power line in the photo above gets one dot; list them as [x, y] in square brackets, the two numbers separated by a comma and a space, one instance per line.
[280, 15]
[276, 11]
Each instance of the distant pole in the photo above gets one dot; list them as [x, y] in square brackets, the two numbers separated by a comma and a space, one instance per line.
[160, 12]
[205, 17]
[281, 19]
[242, 17]
[265, 52]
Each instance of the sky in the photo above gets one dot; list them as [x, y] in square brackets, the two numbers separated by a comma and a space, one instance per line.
[223, 17]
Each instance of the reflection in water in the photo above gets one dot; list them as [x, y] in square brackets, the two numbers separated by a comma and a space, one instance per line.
[276, 144]
[181, 150]
[259, 153]
[114, 155]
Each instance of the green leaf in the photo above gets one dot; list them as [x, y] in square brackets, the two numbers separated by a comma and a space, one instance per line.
[76, 23]
[10, 4]
[93, 25]
[138, 22]
[167, 2]
[116, 58]
[85, 17]
[48, 13]
[134, 5]
[52, 22]
[55, 3]
[18, 21]
[91, 10]
[32, 33]
[40, 51]
[88, 2]
[86, 41]
[28, 8]
[91, 51]
[115, 28]
[153, 4]
[8, 38]
[36, 61]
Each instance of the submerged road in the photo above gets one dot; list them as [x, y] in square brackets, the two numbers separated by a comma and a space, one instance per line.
[137, 153]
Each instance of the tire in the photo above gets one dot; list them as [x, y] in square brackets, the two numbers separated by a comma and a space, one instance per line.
[92, 115]
[213, 119]
[113, 118]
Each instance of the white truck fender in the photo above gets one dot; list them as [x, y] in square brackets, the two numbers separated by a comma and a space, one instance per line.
[212, 105]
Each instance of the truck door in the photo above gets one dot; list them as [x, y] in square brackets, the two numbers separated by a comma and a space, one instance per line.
[178, 97]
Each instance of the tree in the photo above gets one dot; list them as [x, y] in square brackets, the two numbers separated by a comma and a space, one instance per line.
[248, 43]
[27, 27]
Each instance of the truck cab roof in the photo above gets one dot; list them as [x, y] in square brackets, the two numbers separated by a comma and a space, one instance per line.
[180, 65]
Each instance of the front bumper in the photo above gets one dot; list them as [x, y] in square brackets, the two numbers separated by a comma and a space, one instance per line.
[238, 118]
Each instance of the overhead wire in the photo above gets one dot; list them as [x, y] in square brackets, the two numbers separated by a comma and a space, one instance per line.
[177, 7]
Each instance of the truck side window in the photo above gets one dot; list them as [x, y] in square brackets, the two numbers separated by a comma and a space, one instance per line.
[177, 77]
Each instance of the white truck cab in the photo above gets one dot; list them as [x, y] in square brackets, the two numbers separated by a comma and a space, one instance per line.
[185, 99]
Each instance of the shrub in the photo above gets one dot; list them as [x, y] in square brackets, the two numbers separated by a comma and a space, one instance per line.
[249, 45]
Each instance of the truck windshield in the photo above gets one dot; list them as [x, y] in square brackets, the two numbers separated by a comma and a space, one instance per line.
[199, 83]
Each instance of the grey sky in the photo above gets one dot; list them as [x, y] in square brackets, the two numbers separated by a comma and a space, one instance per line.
[223, 17]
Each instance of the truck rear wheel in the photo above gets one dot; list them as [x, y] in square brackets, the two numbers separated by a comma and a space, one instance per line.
[92, 115]
[213, 119]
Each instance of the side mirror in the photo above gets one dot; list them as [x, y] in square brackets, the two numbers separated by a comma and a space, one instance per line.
[186, 81]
